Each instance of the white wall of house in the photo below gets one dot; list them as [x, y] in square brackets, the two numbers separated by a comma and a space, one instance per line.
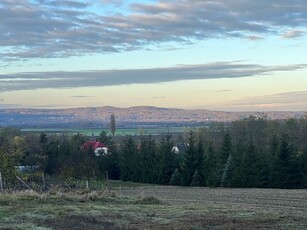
[101, 151]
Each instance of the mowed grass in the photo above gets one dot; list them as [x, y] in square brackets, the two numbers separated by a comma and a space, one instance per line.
[138, 206]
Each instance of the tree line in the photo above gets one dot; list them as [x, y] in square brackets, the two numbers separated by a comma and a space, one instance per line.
[253, 152]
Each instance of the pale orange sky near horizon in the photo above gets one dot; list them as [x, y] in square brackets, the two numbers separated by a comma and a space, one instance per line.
[239, 94]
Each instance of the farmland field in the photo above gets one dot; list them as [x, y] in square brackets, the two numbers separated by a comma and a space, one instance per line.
[97, 131]
[138, 206]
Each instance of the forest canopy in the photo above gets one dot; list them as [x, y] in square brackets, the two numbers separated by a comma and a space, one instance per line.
[253, 152]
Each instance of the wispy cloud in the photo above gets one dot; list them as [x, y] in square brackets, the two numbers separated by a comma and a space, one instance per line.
[137, 76]
[47, 28]
[293, 34]
[296, 100]
[81, 96]
[157, 98]
[115, 2]
[254, 38]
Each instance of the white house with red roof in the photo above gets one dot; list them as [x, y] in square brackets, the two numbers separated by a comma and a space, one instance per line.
[98, 147]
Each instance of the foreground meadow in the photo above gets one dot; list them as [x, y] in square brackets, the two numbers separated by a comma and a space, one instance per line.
[139, 206]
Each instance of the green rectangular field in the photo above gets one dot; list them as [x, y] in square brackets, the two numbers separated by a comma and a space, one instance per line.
[97, 131]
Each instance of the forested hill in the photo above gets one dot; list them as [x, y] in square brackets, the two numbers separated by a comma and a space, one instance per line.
[148, 114]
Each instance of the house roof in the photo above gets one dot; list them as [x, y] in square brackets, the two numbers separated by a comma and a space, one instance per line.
[93, 144]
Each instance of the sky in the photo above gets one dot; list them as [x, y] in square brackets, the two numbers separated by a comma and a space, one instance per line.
[230, 55]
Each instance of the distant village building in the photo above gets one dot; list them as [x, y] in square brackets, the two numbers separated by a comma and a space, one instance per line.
[96, 146]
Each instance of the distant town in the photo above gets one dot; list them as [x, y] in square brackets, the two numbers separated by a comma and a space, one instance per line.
[100, 116]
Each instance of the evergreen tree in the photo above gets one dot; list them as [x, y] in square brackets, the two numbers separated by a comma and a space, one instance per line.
[200, 157]
[105, 139]
[225, 160]
[274, 180]
[189, 164]
[211, 168]
[250, 165]
[43, 139]
[263, 170]
[226, 149]
[197, 180]
[303, 160]
[128, 161]
[167, 161]
[227, 172]
[7, 167]
[175, 178]
[148, 161]
[285, 163]
[109, 163]
[52, 151]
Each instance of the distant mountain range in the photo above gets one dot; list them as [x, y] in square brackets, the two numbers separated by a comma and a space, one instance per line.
[92, 116]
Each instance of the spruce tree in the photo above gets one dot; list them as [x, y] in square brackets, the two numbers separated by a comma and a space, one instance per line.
[148, 161]
[211, 170]
[167, 162]
[175, 178]
[291, 171]
[227, 172]
[189, 164]
[127, 159]
[225, 160]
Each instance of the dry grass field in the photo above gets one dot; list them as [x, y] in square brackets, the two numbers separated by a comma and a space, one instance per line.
[139, 206]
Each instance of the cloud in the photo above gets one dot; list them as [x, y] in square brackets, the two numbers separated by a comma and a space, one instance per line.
[296, 100]
[46, 29]
[254, 38]
[114, 2]
[158, 97]
[65, 3]
[81, 96]
[216, 70]
[223, 91]
[293, 34]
